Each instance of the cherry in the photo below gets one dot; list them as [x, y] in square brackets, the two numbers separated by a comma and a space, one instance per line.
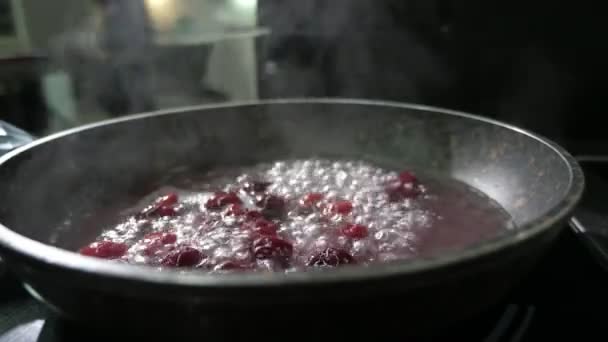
[407, 177]
[406, 186]
[105, 250]
[268, 247]
[355, 231]
[184, 256]
[156, 241]
[312, 199]
[221, 199]
[341, 207]
[256, 186]
[230, 198]
[162, 206]
[262, 227]
[398, 191]
[331, 257]
[235, 210]
[272, 206]
[253, 215]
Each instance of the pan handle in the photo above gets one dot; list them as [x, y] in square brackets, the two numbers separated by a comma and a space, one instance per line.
[12, 137]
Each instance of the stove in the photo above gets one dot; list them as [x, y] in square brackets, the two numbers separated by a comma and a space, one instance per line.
[559, 299]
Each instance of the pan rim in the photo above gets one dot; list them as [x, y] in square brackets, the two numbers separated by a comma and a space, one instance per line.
[72, 261]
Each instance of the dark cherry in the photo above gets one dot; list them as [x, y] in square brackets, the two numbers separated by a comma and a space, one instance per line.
[184, 256]
[256, 186]
[355, 231]
[331, 257]
[398, 191]
[272, 206]
[235, 210]
[253, 215]
[312, 199]
[105, 250]
[406, 186]
[262, 226]
[155, 242]
[221, 199]
[270, 247]
[407, 177]
[341, 207]
[162, 206]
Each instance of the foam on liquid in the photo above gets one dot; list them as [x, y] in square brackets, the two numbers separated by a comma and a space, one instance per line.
[447, 215]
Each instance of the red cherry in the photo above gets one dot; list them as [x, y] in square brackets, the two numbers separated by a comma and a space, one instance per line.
[183, 257]
[341, 207]
[253, 215]
[235, 210]
[221, 199]
[105, 250]
[405, 187]
[311, 199]
[355, 231]
[398, 191]
[407, 177]
[331, 257]
[268, 247]
[230, 198]
[262, 227]
[156, 241]
[162, 206]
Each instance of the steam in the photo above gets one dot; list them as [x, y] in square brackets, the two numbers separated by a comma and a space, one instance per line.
[414, 51]
[117, 66]
[349, 49]
[410, 51]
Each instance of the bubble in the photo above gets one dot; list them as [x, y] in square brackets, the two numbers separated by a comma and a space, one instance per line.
[397, 230]
[364, 249]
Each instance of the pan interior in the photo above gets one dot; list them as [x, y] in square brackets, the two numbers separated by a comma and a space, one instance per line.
[54, 192]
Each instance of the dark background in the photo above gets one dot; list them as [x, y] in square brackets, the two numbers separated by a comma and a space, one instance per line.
[539, 64]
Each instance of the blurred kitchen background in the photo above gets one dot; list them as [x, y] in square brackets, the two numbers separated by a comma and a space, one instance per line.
[536, 64]
[68, 62]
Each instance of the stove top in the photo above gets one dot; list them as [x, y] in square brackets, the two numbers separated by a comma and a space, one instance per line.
[559, 299]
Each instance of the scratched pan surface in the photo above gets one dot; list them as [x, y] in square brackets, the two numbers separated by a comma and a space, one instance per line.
[52, 187]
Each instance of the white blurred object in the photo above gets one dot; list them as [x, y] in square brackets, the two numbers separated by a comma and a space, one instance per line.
[228, 26]
[247, 5]
[232, 69]
[59, 98]
[232, 65]
[164, 13]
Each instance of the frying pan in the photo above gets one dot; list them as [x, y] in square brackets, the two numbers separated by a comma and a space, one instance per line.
[53, 190]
